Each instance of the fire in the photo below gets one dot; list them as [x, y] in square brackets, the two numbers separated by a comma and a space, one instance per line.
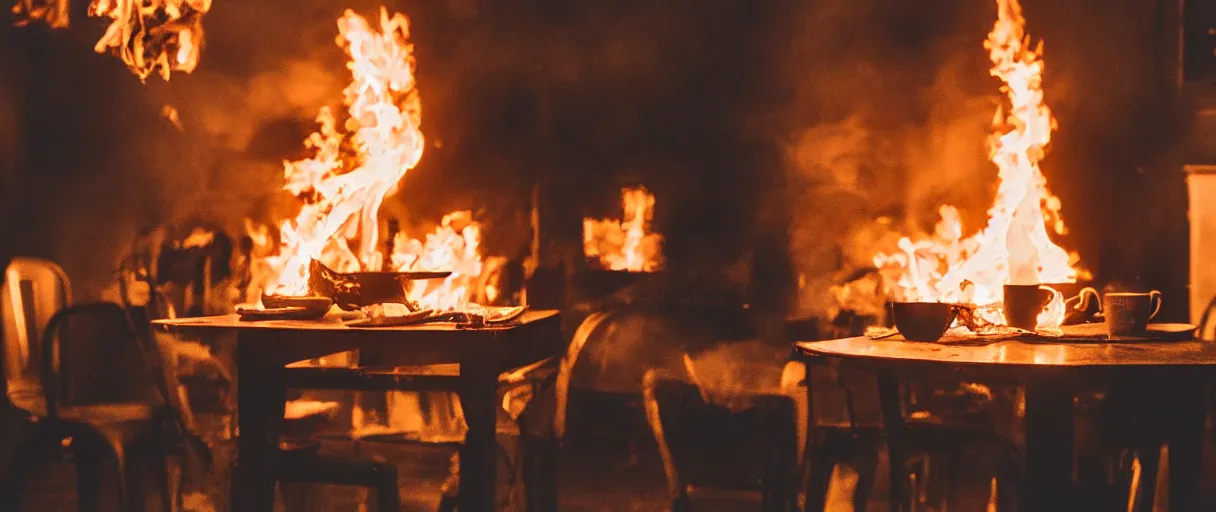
[354, 166]
[626, 244]
[150, 36]
[153, 36]
[1014, 247]
[452, 246]
[53, 12]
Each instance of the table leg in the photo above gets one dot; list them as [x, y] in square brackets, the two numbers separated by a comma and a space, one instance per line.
[260, 401]
[478, 456]
[1186, 423]
[1049, 444]
[893, 424]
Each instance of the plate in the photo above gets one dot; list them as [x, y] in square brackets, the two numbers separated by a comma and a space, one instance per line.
[1096, 333]
[415, 318]
[504, 315]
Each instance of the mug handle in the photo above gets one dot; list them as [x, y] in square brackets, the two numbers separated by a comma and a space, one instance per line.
[1155, 298]
[1050, 296]
[1082, 299]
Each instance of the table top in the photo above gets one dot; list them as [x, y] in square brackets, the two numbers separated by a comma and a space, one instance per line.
[1018, 353]
[533, 336]
[234, 322]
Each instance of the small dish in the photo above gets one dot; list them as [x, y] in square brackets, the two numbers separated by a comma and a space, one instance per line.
[504, 315]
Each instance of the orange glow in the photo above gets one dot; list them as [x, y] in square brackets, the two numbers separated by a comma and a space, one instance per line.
[626, 244]
[1014, 247]
[153, 36]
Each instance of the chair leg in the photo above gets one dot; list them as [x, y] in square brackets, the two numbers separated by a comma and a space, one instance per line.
[538, 460]
[780, 426]
[28, 456]
[114, 442]
[1146, 490]
[169, 479]
[89, 466]
[819, 471]
[867, 470]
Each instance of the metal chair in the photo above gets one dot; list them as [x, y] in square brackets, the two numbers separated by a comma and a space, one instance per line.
[758, 443]
[96, 414]
[34, 291]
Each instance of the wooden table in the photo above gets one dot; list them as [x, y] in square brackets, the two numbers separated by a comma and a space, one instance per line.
[264, 348]
[1050, 371]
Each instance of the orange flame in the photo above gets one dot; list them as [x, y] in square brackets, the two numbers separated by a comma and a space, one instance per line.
[342, 191]
[153, 35]
[353, 169]
[451, 247]
[1014, 248]
[626, 244]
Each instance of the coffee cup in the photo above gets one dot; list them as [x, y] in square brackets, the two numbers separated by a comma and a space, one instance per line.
[1128, 314]
[1024, 302]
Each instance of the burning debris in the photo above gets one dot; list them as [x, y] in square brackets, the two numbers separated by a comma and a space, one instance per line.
[150, 36]
[1014, 247]
[626, 244]
[153, 36]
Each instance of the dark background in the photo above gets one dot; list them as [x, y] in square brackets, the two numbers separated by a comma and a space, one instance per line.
[760, 126]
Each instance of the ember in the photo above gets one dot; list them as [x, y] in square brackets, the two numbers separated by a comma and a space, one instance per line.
[1014, 248]
[626, 244]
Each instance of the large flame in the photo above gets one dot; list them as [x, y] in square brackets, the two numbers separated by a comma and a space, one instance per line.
[153, 36]
[626, 244]
[353, 168]
[1014, 248]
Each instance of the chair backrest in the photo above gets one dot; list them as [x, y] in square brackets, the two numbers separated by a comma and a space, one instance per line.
[94, 356]
[34, 290]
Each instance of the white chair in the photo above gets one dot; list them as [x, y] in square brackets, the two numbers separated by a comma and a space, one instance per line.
[34, 290]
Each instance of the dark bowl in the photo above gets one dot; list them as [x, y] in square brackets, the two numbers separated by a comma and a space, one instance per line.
[923, 321]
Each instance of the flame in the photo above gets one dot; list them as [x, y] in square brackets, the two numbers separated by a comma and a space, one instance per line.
[53, 12]
[626, 244]
[1014, 247]
[153, 36]
[452, 246]
[354, 166]
[342, 185]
